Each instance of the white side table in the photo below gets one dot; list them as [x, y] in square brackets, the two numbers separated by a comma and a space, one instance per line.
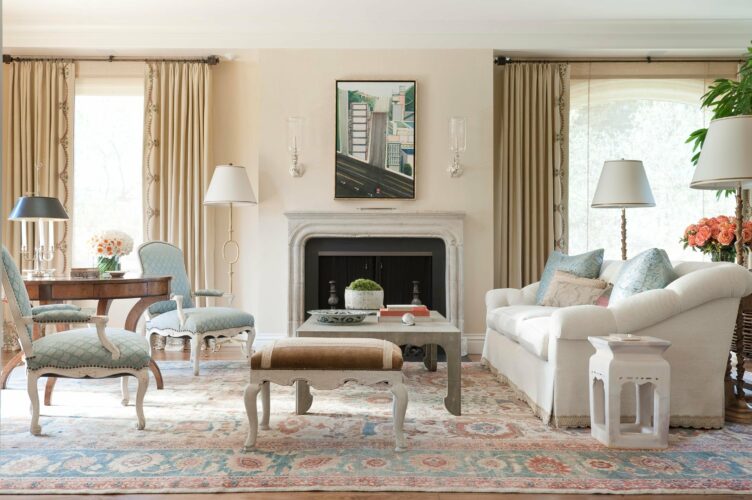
[615, 364]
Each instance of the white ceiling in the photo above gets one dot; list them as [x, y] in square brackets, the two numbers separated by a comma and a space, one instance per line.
[550, 27]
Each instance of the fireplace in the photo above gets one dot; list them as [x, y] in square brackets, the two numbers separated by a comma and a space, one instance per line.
[407, 269]
[432, 240]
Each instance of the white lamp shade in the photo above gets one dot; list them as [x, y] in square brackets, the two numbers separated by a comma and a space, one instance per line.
[623, 184]
[726, 156]
[230, 184]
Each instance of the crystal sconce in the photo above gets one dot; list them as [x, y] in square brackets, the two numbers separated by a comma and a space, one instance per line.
[457, 144]
[294, 136]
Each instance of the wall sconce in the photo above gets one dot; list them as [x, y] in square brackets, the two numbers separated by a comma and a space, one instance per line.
[457, 144]
[294, 136]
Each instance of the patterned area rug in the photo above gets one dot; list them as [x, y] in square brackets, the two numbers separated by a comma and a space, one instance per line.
[195, 429]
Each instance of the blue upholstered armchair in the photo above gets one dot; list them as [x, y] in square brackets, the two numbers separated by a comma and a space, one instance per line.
[97, 352]
[179, 316]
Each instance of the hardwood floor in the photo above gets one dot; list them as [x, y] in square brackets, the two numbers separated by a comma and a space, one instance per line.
[232, 352]
[325, 495]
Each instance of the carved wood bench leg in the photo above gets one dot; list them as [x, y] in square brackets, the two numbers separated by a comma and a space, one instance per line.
[323, 380]
[249, 398]
[399, 408]
[303, 397]
[266, 404]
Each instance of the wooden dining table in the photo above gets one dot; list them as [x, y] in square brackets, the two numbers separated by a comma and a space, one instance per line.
[55, 290]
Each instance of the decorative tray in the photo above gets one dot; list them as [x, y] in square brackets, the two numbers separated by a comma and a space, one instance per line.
[339, 316]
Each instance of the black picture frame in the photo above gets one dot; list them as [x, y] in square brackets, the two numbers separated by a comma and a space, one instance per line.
[360, 170]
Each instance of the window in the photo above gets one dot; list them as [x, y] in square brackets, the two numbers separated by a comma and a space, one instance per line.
[108, 152]
[637, 119]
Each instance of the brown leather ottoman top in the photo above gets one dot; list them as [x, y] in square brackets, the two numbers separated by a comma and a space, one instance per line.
[328, 354]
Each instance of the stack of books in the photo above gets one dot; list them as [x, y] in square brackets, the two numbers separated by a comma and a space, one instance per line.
[394, 312]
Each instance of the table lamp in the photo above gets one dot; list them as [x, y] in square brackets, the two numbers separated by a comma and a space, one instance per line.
[623, 184]
[726, 163]
[39, 209]
[230, 186]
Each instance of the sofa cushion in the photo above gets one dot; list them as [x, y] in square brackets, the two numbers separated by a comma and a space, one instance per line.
[648, 270]
[566, 290]
[533, 336]
[586, 265]
[506, 320]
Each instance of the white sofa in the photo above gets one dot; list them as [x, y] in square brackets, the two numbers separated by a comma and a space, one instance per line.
[543, 352]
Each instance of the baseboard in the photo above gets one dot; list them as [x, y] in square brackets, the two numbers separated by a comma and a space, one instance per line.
[473, 341]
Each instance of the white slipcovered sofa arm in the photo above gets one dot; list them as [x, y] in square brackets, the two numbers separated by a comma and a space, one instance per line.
[687, 292]
[502, 297]
[721, 281]
[581, 322]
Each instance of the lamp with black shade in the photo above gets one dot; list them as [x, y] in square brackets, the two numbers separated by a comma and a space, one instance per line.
[43, 211]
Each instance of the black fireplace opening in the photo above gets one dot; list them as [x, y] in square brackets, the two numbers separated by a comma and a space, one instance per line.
[400, 265]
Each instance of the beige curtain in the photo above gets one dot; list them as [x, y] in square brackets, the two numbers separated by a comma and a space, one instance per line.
[38, 128]
[530, 169]
[177, 162]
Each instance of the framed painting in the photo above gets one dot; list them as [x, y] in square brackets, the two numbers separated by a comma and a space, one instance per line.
[375, 139]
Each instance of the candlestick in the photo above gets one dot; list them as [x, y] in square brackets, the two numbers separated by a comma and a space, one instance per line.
[24, 244]
[52, 235]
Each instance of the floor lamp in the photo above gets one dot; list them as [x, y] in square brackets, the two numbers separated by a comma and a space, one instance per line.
[623, 184]
[726, 163]
[230, 186]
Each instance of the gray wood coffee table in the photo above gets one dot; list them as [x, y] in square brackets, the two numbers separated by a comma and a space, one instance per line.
[438, 331]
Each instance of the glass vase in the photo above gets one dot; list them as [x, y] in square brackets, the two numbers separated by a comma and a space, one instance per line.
[725, 254]
[107, 264]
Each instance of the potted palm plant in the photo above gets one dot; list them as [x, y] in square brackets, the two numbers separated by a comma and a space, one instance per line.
[725, 98]
[364, 294]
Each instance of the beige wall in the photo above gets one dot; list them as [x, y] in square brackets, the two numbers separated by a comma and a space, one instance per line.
[252, 102]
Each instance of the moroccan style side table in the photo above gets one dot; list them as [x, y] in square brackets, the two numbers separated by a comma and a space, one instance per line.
[632, 362]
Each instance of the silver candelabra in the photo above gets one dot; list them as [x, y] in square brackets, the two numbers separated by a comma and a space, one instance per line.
[41, 255]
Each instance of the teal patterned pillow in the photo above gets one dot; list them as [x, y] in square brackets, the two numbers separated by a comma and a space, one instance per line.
[585, 265]
[648, 270]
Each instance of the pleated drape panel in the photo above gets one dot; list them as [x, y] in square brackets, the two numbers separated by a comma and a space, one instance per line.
[39, 133]
[177, 159]
[530, 169]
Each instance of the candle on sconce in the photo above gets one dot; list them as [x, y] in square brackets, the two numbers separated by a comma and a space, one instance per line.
[40, 227]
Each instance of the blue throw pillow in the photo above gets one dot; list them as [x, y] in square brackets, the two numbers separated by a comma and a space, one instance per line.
[648, 270]
[586, 265]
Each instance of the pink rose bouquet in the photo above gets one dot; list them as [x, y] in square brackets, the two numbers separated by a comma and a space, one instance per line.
[717, 236]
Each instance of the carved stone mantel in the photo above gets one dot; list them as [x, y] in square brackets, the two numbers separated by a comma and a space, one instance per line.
[304, 225]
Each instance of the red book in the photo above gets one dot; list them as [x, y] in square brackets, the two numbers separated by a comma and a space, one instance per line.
[417, 311]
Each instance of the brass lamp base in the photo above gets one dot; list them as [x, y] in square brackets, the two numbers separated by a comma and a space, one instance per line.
[739, 414]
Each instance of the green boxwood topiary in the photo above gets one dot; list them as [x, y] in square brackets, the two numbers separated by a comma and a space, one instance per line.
[364, 285]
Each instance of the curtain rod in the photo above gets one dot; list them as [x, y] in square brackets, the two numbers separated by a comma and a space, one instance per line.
[504, 60]
[210, 60]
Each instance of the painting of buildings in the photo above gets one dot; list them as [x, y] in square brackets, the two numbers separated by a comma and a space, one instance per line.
[375, 139]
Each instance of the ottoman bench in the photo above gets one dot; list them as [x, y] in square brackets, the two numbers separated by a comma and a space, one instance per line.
[325, 363]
